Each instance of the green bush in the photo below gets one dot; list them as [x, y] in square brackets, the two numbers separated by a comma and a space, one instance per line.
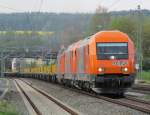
[146, 65]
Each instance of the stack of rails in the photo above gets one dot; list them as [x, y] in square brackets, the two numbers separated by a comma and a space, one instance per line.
[47, 72]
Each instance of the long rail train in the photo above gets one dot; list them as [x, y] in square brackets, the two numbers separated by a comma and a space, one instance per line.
[104, 62]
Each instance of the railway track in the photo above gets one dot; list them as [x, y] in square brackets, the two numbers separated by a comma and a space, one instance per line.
[36, 110]
[67, 109]
[137, 100]
[128, 101]
[145, 89]
[140, 91]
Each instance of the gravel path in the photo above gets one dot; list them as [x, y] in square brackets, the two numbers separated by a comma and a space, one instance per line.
[15, 99]
[83, 103]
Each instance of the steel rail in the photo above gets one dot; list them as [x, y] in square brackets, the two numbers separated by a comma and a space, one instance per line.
[131, 103]
[63, 106]
[140, 91]
[137, 100]
[135, 104]
[142, 87]
[29, 100]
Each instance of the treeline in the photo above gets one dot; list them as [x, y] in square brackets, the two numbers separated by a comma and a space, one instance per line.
[42, 21]
[51, 21]
[67, 28]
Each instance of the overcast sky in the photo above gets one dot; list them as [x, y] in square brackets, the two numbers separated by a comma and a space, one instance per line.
[8, 6]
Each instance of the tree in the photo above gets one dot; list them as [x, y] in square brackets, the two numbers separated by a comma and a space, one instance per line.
[146, 44]
[146, 38]
[99, 21]
[129, 25]
[126, 24]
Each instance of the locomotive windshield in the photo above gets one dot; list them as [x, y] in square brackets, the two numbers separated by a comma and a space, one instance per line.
[112, 51]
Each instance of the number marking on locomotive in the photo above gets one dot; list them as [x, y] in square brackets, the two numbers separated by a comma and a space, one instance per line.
[119, 63]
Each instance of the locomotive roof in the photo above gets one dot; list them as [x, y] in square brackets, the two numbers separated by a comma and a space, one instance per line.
[84, 41]
[113, 34]
[102, 34]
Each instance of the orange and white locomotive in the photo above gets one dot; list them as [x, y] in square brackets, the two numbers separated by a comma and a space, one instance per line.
[103, 62]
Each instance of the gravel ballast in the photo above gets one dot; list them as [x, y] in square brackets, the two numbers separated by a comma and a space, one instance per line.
[83, 103]
[13, 96]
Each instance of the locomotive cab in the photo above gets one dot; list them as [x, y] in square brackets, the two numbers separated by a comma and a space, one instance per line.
[103, 62]
[114, 62]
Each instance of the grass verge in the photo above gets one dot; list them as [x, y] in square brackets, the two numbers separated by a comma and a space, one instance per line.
[145, 77]
[147, 97]
[7, 109]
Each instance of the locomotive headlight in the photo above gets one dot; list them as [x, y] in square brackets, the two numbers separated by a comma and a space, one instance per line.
[100, 69]
[125, 69]
[137, 66]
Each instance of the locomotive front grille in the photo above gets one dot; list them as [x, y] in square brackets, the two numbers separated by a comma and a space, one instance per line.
[114, 81]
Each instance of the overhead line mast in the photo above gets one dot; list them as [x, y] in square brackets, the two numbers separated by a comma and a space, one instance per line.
[139, 42]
